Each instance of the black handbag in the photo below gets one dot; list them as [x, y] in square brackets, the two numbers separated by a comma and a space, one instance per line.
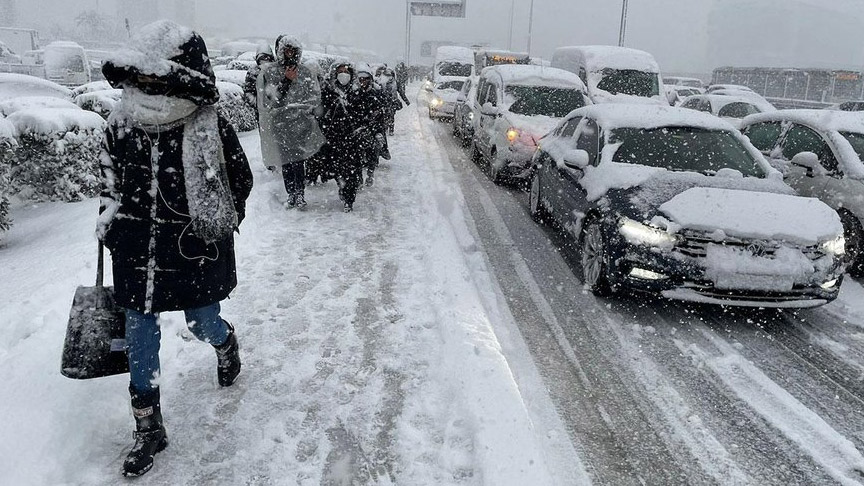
[96, 334]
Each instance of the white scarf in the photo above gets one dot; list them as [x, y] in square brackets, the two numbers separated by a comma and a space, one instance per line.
[154, 110]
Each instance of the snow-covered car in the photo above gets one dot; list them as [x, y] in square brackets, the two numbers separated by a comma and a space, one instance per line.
[235, 76]
[848, 106]
[443, 100]
[463, 112]
[694, 83]
[725, 87]
[91, 87]
[820, 154]
[733, 109]
[12, 105]
[14, 85]
[517, 105]
[66, 63]
[614, 74]
[676, 94]
[751, 96]
[677, 202]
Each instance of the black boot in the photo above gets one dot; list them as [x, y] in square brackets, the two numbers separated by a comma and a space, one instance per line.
[150, 435]
[228, 355]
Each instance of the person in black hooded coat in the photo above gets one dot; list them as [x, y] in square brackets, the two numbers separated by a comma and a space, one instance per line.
[175, 182]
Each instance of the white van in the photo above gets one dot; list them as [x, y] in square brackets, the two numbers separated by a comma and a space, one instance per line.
[66, 63]
[614, 74]
[453, 62]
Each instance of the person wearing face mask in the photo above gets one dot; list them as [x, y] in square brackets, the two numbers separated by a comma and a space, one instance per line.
[250, 85]
[387, 80]
[341, 122]
[288, 98]
[174, 185]
[371, 102]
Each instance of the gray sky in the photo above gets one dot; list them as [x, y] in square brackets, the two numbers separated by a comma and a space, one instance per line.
[684, 35]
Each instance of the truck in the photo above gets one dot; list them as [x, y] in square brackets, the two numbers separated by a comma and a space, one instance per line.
[19, 40]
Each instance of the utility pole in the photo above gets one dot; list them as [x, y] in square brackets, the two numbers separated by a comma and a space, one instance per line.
[408, 33]
[530, 26]
[510, 36]
[622, 30]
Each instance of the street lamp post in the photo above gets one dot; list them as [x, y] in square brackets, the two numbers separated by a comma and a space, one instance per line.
[510, 36]
[622, 31]
[408, 33]
[530, 26]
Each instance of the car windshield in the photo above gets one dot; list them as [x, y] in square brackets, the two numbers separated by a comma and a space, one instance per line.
[685, 149]
[448, 68]
[544, 100]
[454, 85]
[737, 110]
[857, 142]
[631, 82]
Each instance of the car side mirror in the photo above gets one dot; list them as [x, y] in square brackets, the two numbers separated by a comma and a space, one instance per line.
[577, 159]
[489, 110]
[461, 98]
[809, 161]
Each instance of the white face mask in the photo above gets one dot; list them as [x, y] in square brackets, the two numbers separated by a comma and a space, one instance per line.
[155, 109]
[343, 78]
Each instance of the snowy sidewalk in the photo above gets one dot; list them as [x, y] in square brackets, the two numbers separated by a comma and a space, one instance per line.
[369, 352]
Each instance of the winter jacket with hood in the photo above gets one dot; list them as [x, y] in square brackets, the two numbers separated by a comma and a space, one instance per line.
[159, 262]
[289, 129]
[250, 84]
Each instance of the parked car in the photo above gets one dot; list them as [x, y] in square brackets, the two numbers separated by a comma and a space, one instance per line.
[15, 85]
[463, 112]
[12, 105]
[820, 154]
[695, 83]
[733, 109]
[443, 101]
[66, 63]
[733, 87]
[677, 202]
[675, 94]
[751, 96]
[517, 105]
[614, 74]
[848, 106]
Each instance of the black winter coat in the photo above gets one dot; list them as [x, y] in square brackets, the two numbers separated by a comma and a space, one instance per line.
[159, 265]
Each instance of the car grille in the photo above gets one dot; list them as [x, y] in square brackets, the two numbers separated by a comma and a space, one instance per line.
[694, 244]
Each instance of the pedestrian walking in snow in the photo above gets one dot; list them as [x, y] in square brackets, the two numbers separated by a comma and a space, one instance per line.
[288, 97]
[250, 85]
[370, 102]
[386, 78]
[401, 73]
[174, 185]
[340, 122]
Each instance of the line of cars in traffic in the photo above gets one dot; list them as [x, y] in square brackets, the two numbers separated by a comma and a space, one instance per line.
[764, 211]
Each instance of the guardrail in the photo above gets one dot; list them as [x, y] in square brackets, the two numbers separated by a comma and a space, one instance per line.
[790, 104]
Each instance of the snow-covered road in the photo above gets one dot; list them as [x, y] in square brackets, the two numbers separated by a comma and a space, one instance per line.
[370, 343]
[434, 336]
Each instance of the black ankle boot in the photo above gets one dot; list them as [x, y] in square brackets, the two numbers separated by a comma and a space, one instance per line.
[228, 355]
[149, 435]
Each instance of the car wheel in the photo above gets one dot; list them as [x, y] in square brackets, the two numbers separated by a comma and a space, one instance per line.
[594, 256]
[535, 202]
[854, 236]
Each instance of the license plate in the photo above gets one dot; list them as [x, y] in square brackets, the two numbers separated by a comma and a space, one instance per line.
[753, 282]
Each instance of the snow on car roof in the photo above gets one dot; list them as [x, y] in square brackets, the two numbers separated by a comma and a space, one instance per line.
[719, 101]
[526, 74]
[455, 53]
[601, 57]
[830, 120]
[618, 115]
[14, 85]
[54, 120]
[7, 107]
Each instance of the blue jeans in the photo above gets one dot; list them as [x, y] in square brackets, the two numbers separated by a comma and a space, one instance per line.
[143, 335]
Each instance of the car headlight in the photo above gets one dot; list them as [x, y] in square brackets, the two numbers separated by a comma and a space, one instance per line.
[436, 102]
[640, 234]
[470, 115]
[836, 247]
[512, 135]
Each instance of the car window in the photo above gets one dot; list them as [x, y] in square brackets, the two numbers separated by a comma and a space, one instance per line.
[738, 110]
[492, 96]
[588, 139]
[692, 103]
[571, 126]
[543, 100]
[482, 87]
[764, 135]
[802, 139]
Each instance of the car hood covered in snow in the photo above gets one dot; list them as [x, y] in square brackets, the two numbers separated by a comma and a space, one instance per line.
[747, 214]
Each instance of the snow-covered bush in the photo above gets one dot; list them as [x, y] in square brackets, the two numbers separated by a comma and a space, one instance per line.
[234, 107]
[57, 154]
[7, 152]
[99, 102]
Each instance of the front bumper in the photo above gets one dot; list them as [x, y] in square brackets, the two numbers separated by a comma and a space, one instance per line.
[685, 280]
[445, 109]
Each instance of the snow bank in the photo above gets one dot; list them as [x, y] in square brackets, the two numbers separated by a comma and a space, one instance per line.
[10, 106]
[235, 76]
[49, 121]
[760, 215]
[233, 106]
